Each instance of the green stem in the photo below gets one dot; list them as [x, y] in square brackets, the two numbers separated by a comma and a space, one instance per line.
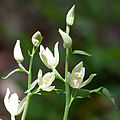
[67, 106]
[67, 29]
[67, 88]
[74, 91]
[29, 82]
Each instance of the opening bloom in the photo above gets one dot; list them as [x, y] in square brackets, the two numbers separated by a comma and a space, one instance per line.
[18, 53]
[46, 81]
[37, 38]
[75, 78]
[13, 104]
[67, 41]
[70, 16]
[47, 57]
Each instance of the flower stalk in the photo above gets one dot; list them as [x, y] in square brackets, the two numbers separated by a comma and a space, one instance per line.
[67, 106]
[12, 118]
[29, 82]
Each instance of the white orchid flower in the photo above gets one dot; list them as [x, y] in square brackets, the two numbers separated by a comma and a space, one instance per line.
[18, 53]
[46, 81]
[67, 41]
[70, 16]
[47, 57]
[75, 79]
[37, 38]
[13, 104]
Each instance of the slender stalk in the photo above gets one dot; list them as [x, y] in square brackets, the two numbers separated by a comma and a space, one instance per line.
[67, 29]
[67, 88]
[29, 82]
[12, 117]
[67, 106]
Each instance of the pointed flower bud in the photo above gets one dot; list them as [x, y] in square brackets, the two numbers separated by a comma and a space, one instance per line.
[18, 53]
[46, 81]
[12, 103]
[37, 38]
[66, 39]
[47, 57]
[75, 78]
[70, 16]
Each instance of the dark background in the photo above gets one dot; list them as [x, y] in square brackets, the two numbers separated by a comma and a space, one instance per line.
[96, 30]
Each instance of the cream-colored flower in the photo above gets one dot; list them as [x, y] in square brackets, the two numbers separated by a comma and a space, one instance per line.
[67, 41]
[13, 104]
[47, 57]
[46, 81]
[18, 53]
[37, 38]
[75, 79]
[70, 16]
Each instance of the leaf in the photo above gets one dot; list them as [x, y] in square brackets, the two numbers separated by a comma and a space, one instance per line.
[104, 91]
[41, 92]
[12, 72]
[32, 86]
[80, 52]
[83, 93]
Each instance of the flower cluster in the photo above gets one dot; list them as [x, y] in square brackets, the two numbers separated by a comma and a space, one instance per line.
[51, 61]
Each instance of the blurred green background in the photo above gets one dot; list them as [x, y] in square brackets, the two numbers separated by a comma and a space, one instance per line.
[96, 30]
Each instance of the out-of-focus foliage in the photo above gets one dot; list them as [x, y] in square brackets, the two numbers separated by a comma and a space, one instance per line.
[96, 31]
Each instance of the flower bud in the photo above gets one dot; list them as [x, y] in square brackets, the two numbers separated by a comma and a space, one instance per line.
[18, 53]
[66, 38]
[37, 38]
[70, 16]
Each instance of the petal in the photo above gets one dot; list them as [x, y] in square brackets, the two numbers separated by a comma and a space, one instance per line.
[56, 54]
[39, 74]
[51, 59]
[77, 68]
[41, 48]
[50, 88]
[49, 53]
[6, 100]
[82, 72]
[70, 80]
[87, 81]
[44, 59]
[14, 103]
[21, 105]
